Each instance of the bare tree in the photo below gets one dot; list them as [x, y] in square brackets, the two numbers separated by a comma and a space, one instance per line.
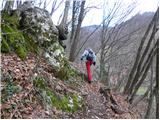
[65, 15]
[63, 27]
[76, 9]
[145, 55]
[18, 3]
[77, 33]
[109, 36]
[156, 89]
[9, 6]
[54, 7]
[151, 96]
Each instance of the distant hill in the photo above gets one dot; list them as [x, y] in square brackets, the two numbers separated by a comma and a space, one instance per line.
[137, 21]
[133, 23]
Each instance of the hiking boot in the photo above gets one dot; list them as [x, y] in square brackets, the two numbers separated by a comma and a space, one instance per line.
[89, 82]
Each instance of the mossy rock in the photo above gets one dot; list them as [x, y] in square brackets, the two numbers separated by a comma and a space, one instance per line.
[68, 103]
[30, 43]
[13, 39]
[11, 19]
[66, 71]
[22, 52]
[4, 46]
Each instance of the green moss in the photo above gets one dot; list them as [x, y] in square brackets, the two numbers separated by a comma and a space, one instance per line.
[31, 45]
[69, 103]
[65, 72]
[14, 39]
[11, 19]
[4, 46]
[54, 38]
[21, 51]
[39, 82]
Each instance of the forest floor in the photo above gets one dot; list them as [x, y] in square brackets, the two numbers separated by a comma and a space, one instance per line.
[24, 104]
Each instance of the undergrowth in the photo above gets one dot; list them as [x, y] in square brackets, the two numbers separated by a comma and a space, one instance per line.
[13, 39]
[69, 102]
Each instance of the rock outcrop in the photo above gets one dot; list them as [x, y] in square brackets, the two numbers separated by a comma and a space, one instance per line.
[37, 30]
[42, 30]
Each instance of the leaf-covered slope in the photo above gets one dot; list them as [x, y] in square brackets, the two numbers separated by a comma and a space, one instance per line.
[28, 86]
[31, 30]
[32, 89]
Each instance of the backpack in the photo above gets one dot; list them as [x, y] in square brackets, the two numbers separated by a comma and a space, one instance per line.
[90, 56]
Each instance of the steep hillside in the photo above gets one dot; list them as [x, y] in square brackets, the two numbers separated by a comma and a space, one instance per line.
[135, 22]
[138, 21]
[38, 81]
[31, 90]
[133, 30]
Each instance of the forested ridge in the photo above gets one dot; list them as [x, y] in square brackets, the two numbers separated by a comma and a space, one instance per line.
[42, 75]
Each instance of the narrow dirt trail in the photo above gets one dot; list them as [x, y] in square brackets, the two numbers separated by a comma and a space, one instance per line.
[98, 107]
[96, 102]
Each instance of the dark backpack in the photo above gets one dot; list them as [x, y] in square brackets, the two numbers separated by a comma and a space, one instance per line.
[90, 56]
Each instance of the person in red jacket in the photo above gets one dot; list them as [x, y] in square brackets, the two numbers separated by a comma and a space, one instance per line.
[90, 58]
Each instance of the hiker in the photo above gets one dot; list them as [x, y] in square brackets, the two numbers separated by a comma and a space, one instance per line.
[90, 58]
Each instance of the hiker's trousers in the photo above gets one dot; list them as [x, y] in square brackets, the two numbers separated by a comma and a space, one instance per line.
[88, 66]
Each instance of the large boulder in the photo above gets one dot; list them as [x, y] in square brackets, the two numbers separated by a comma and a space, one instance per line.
[39, 26]
[38, 33]
[38, 23]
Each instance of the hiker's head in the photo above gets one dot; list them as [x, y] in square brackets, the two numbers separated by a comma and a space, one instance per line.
[90, 50]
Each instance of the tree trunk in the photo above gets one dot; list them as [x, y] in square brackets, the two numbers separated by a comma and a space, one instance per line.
[147, 115]
[102, 57]
[140, 99]
[157, 83]
[9, 6]
[65, 16]
[19, 3]
[145, 71]
[74, 9]
[141, 60]
[127, 89]
[62, 27]
[77, 33]
[144, 63]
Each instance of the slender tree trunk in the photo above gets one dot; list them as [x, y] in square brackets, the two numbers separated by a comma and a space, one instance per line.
[19, 3]
[65, 16]
[157, 83]
[120, 82]
[145, 71]
[127, 89]
[102, 57]
[73, 21]
[140, 99]
[144, 63]
[151, 96]
[77, 33]
[139, 67]
[9, 6]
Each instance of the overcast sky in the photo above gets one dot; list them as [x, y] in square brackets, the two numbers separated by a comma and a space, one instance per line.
[94, 16]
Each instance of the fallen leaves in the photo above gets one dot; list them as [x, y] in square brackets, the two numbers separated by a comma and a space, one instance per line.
[21, 72]
[26, 105]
